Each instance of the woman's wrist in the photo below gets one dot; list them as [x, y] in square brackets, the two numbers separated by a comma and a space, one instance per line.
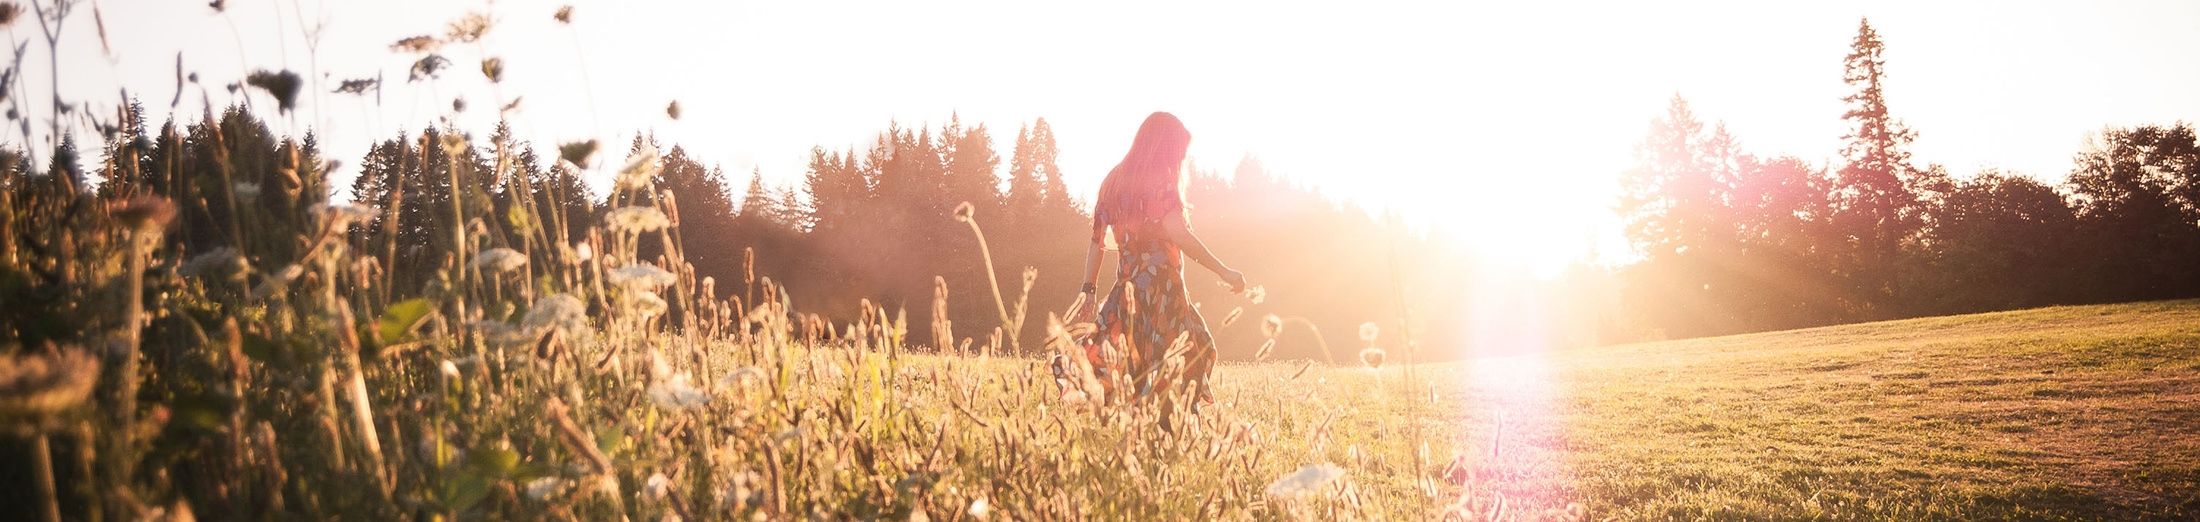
[1089, 288]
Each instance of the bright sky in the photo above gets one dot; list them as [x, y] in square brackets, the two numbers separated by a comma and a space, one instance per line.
[1507, 122]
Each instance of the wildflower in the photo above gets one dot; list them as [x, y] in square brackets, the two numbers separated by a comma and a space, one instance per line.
[341, 215]
[1373, 357]
[417, 44]
[428, 68]
[648, 304]
[965, 212]
[1368, 332]
[1271, 326]
[639, 170]
[282, 85]
[636, 219]
[980, 508]
[656, 486]
[640, 276]
[469, 28]
[677, 393]
[575, 154]
[561, 311]
[1306, 479]
[500, 260]
[454, 144]
[150, 213]
[546, 487]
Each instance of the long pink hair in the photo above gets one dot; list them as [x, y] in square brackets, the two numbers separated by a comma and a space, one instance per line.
[1149, 180]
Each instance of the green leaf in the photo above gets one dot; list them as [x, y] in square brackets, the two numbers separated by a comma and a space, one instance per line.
[493, 462]
[463, 493]
[399, 318]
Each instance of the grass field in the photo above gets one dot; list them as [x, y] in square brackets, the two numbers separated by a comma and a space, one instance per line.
[2057, 413]
[574, 394]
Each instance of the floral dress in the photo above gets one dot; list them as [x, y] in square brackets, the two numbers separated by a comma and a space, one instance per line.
[1146, 310]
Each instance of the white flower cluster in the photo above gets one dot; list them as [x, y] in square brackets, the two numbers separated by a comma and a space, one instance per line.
[561, 311]
[499, 260]
[639, 170]
[640, 277]
[636, 220]
[342, 215]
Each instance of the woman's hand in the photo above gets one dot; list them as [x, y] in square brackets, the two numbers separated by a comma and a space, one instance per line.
[1235, 279]
[1084, 308]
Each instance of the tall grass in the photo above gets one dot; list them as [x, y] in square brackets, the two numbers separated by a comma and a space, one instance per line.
[287, 375]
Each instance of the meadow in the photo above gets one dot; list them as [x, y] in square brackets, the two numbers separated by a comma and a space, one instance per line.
[575, 382]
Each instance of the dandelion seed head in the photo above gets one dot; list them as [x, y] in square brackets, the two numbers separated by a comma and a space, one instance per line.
[1271, 326]
[454, 144]
[450, 369]
[965, 212]
[980, 508]
[582, 252]
[1256, 294]
[636, 220]
[1369, 331]
[1373, 357]
[499, 260]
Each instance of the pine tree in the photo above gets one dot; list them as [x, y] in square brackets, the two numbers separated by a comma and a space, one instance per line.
[128, 164]
[758, 204]
[1055, 201]
[1025, 191]
[1878, 210]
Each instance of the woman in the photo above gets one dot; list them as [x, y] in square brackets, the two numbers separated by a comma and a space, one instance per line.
[1147, 309]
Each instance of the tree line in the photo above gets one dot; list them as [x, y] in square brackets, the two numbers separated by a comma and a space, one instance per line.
[1732, 242]
[871, 225]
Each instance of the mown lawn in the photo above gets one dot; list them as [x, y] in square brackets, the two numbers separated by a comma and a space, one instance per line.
[2057, 413]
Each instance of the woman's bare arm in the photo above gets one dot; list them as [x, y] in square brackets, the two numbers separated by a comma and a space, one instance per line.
[1088, 302]
[1180, 233]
